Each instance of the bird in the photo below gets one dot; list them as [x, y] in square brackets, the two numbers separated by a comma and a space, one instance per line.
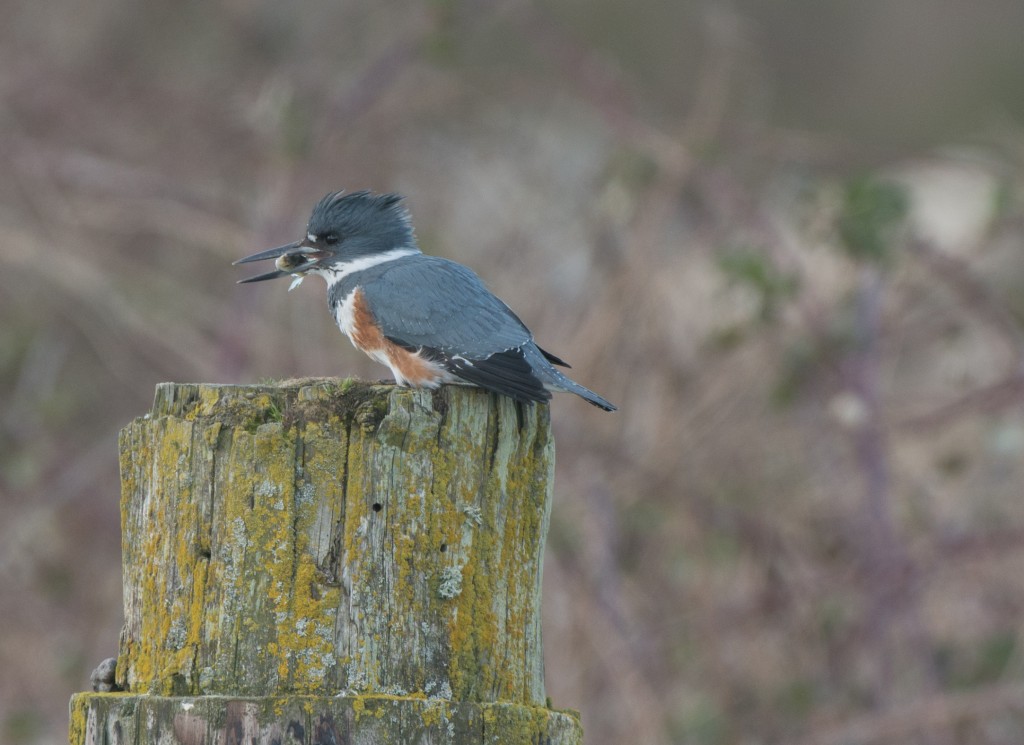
[429, 319]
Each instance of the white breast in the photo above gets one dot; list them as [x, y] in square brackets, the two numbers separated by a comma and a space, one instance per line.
[344, 315]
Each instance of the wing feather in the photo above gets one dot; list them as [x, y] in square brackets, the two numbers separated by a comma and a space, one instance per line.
[442, 309]
[503, 372]
[437, 303]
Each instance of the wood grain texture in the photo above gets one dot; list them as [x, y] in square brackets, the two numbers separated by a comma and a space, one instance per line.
[331, 546]
[117, 719]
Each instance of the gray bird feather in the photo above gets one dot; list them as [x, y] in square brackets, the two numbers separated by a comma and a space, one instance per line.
[430, 302]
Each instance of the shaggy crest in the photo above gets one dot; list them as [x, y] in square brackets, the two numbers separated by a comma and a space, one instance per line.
[360, 213]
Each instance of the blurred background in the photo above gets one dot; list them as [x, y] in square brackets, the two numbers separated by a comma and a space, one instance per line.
[787, 239]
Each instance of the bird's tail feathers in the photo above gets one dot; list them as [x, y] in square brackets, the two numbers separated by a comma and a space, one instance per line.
[565, 384]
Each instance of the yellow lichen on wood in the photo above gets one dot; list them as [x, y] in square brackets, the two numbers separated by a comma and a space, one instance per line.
[322, 537]
[331, 561]
[107, 719]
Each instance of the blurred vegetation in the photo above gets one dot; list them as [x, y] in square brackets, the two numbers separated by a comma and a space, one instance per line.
[786, 238]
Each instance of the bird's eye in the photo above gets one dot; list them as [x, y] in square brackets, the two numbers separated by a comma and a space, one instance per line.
[331, 238]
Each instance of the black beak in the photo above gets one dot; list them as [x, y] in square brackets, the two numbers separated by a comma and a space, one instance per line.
[271, 253]
[275, 253]
[260, 277]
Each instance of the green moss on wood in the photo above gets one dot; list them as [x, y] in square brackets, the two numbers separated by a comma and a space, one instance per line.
[293, 539]
[105, 719]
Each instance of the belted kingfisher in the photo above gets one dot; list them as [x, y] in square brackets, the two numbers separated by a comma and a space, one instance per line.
[430, 320]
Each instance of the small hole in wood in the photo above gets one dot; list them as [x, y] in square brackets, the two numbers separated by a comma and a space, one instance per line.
[377, 506]
[444, 547]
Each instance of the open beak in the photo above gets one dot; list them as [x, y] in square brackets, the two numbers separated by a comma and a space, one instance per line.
[291, 259]
[260, 277]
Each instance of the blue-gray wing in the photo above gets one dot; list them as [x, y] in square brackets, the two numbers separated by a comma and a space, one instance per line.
[438, 304]
[443, 310]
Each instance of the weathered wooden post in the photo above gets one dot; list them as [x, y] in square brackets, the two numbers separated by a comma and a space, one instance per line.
[331, 562]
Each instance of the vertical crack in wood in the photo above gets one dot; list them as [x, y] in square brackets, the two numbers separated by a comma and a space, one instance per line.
[359, 605]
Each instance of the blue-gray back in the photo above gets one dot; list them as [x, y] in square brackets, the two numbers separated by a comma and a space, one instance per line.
[428, 301]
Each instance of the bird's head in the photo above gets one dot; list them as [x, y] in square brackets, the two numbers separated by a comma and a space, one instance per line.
[342, 228]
